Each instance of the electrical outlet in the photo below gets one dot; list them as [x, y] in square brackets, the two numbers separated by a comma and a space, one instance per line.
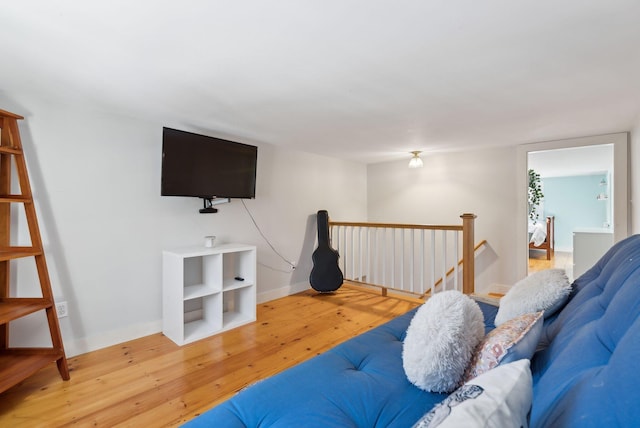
[61, 309]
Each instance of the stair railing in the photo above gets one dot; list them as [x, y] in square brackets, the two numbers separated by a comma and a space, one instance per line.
[409, 258]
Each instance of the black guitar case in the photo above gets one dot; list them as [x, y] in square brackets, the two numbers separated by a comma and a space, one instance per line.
[326, 275]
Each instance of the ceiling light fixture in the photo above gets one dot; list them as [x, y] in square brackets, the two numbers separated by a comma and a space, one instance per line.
[415, 161]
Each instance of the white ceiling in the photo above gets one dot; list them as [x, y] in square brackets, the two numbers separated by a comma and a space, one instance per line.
[366, 80]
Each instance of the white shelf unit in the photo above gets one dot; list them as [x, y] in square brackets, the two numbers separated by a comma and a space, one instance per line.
[200, 293]
[588, 246]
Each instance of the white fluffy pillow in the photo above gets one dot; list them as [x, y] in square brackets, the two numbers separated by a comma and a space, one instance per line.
[440, 341]
[545, 291]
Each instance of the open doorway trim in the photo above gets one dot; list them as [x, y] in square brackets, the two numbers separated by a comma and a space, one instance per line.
[621, 197]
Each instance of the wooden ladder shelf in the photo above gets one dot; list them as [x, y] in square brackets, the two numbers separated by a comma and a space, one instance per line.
[16, 364]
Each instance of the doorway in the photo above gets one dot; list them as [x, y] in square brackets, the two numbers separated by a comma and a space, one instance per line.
[572, 156]
[576, 184]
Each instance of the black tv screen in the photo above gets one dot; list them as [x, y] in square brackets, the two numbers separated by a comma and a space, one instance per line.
[206, 167]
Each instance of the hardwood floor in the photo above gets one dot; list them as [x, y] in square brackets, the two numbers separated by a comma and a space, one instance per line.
[152, 382]
[562, 260]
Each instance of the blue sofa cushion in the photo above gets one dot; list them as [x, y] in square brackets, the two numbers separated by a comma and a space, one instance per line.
[590, 373]
[359, 383]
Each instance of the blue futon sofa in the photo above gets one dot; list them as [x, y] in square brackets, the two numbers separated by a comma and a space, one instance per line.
[587, 376]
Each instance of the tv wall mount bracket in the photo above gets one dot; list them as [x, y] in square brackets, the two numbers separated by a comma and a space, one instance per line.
[210, 202]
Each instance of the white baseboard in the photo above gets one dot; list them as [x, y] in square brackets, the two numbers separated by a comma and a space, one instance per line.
[88, 344]
[282, 292]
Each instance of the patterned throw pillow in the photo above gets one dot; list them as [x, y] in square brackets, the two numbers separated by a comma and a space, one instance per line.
[514, 340]
[499, 398]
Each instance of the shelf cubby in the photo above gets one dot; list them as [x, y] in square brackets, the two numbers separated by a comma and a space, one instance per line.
[238, 307]
[202, 292]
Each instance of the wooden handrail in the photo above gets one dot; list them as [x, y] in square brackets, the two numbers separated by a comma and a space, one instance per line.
[395, 225]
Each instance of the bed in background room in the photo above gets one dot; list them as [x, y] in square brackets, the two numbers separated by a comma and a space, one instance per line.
[541, 236]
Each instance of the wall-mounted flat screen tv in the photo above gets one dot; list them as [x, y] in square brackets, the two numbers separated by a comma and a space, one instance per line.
[206, 167]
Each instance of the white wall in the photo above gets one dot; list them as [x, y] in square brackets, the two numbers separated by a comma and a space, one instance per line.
[484, 182]
[96, 182]
[450, 184]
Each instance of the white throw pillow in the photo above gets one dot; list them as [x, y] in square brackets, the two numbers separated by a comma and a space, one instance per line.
[546, 290]
[440, 341]
[498, 398]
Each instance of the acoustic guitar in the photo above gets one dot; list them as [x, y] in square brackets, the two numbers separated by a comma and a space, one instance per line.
[326, 275]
